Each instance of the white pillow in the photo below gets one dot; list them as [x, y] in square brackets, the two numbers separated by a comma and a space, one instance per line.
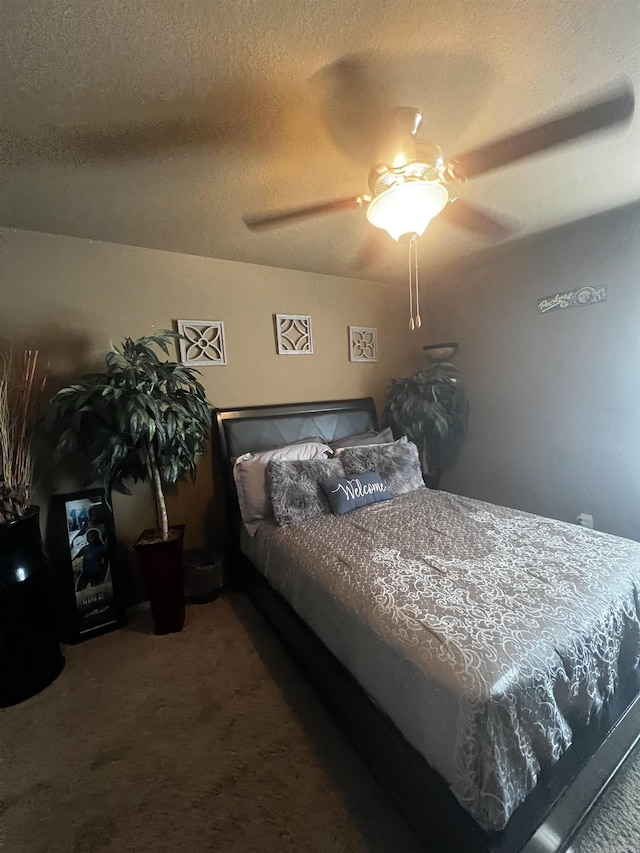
[249, 472]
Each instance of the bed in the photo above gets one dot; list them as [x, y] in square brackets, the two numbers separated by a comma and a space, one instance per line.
[363, 600]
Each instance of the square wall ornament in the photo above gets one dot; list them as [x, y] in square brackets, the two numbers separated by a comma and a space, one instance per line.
[293, 334]
[363, 343]
[203, 342]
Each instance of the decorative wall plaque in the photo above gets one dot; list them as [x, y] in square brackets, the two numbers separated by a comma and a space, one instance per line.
[579, 297]
[363, 343]
[204, 342]
[293, 334]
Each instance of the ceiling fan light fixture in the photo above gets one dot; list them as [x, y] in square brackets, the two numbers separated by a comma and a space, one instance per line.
[407, 208]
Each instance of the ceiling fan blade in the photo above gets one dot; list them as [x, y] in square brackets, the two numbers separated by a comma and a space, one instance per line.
[258, 222]
[247, 116]
[120, 143]
[617, 107]
[473, 218]
[370, 251]
[353, 105]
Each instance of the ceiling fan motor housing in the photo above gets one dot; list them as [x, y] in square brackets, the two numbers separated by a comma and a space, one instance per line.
[381, 177]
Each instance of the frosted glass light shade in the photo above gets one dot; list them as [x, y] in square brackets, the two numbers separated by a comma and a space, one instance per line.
[407, 208]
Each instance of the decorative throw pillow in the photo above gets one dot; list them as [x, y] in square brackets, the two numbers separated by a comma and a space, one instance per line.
[398, 464]
[371, 436]
[249, 473]
[339, 450]
[346, 494]
[295, 488]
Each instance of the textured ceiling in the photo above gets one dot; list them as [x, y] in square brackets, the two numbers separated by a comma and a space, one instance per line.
[158, 123]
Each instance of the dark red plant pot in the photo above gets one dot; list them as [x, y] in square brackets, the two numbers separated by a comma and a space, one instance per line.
[161, 566]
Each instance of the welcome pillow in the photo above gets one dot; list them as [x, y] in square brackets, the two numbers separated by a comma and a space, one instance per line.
[348, 493]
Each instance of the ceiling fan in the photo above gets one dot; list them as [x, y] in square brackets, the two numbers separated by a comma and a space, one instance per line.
[411, 182]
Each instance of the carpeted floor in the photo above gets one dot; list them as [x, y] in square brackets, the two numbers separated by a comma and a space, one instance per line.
[205, 741]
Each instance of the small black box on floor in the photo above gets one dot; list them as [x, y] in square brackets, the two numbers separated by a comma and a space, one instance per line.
[203, 576]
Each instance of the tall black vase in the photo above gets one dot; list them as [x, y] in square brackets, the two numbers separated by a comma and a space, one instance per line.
[30, 656]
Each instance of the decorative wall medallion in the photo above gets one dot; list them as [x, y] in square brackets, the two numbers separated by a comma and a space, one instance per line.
[363, 343]
[571, 298]
[204, 342]
[293, 334]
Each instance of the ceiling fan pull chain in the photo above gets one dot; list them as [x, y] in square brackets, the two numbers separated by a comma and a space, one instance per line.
[411, 323]
[418, 322]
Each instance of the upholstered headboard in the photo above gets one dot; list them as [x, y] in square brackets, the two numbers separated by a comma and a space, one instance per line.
[262, 427]
[255, 428]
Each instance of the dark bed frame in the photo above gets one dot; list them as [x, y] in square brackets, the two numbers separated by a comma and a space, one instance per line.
[551, 815]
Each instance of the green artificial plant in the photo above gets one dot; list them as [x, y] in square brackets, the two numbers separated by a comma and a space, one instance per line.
[431, 409]
[139, 419]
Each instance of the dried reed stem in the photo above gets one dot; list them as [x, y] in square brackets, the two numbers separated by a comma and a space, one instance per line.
[17, 404]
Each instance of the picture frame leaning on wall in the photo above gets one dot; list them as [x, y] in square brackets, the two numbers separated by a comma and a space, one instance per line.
[83, 547]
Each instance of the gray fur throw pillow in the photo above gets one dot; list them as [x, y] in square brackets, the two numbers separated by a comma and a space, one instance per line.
[398, 465]
[371, 436]
[295, 488]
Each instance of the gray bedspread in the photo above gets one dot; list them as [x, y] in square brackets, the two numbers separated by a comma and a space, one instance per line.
[485, 633]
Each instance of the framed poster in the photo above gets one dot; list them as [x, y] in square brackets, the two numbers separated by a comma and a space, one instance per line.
[84, 540]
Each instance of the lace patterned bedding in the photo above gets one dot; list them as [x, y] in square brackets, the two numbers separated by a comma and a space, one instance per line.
[484, 633]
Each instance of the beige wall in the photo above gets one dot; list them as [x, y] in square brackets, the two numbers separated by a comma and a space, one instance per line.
[68, 297]
[555, 398]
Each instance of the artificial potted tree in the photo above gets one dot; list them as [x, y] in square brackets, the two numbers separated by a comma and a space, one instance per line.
[30, 656]
[431, 409]
[140, 419]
